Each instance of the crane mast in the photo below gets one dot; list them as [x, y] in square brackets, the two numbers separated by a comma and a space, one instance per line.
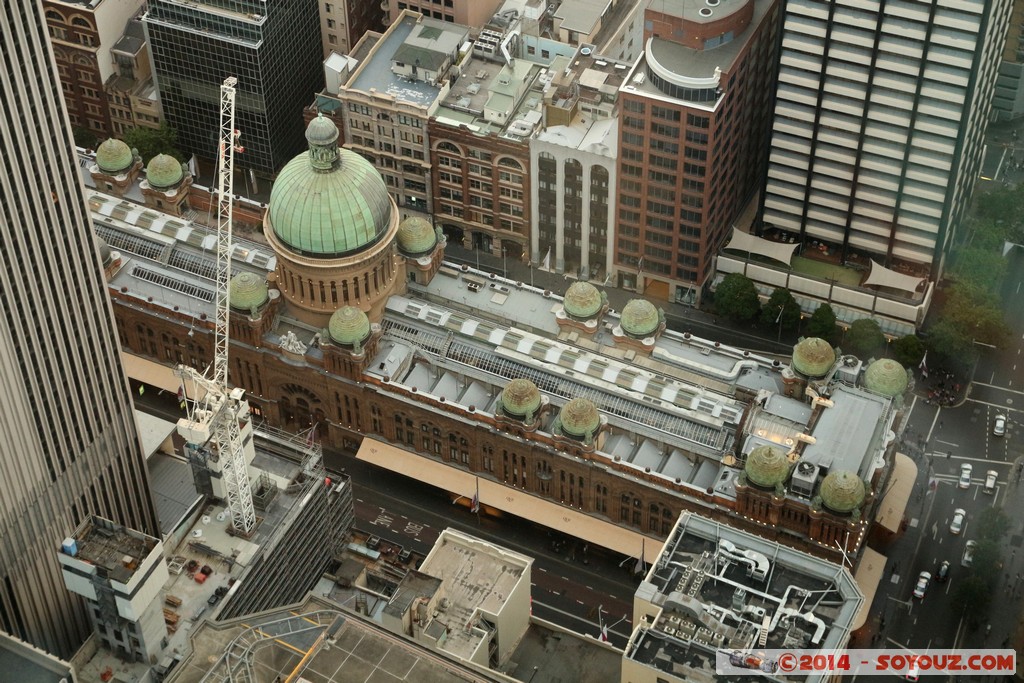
[222, 415]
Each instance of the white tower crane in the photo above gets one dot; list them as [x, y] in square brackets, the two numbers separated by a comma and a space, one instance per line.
[221, 417]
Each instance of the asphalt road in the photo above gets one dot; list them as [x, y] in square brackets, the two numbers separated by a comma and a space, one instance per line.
[941, 440]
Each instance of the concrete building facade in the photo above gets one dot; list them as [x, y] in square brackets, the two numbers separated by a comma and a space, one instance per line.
[120, 573]
[1008, 102]
[67, 415]
[695, 111]
[878, 131]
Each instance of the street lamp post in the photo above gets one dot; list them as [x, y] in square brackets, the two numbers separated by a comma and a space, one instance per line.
[778, 319]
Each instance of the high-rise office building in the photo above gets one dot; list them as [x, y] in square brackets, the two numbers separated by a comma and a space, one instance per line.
[273, 47]
[695, 112]
[879, 123]
[67, 434]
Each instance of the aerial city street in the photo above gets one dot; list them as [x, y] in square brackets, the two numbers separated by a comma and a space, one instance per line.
[552, 341]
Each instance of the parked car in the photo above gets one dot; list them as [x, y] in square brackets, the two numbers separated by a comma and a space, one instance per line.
[990, 481]
[968, 554]
[965, 476]
[999, 426]
[923, 579]
[959, 517]
[943, 572]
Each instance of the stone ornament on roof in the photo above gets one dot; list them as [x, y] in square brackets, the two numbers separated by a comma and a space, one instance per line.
[291, 343]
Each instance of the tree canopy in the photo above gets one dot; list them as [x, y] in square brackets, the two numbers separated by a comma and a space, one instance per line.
[822, 323]
[865, 338]
[781, 309]
[908, 350]
[152, 141]
[736, 298]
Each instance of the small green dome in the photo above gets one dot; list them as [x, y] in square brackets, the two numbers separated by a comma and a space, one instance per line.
[321, 131]
[105, 250]
[349, 326]
[416, 236]
[248, 290]
[886, 377]
[164, 172]
[582, 301]
[640, 319]
[520, 398]
[813, 357]
[579, 418]
[113, 156]
[767, 466]
[842, 491]
[329, 212]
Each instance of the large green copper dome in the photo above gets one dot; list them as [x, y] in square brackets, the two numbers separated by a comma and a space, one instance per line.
[520, 398]
[113, 156]
[349, 326]
[767, 466]
[328, 202]
[842, 491]
[416, 236]
[247, 290]
[813, 357]
[579, 418]
[886, 377]
[582, 301]
[164, 171]
[640, 318]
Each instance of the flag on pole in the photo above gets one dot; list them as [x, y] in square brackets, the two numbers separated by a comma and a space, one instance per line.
[640, 567]
[546, 263]
[933, 484]
[604, 633]
[923, 366]
[142, 389]
[311, 437]
[475, 505]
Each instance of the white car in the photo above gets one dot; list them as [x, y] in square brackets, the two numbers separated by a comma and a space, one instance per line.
[968, 554]
[957, 525]
[999, 426]
[990, 481]
[922, 584]
[965, 476]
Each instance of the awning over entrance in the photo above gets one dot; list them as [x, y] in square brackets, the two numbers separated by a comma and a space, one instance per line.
[752, 244]
[895, 499]
[511, 500]
[157, 375]
[150, 372]
[883, 277]
[868, 576]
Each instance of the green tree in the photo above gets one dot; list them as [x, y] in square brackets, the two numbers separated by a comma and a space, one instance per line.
[992, 524]
[84, 137]
[736, 298]
[781, 309]
[908, 351]
[822, 323]
[152, 141]
[984, 268]
[969, 314]
[972, 596]
[988, 561]
[865, 338]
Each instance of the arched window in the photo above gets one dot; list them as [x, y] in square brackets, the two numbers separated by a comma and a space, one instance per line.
[445, 146]
[80, 22]
[510, 163]
[53, 15]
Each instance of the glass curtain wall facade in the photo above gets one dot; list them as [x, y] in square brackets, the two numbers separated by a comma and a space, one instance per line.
[879, 124]
[68, 441]
[272, 46]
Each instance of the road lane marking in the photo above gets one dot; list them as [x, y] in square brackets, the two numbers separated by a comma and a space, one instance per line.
[948, 443]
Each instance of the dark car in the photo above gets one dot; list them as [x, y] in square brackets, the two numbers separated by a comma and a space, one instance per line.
[942, 573]
[214, 599]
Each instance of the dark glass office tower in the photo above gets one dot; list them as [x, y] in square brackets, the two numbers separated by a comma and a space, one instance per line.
[68, 442]
[272, 46]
